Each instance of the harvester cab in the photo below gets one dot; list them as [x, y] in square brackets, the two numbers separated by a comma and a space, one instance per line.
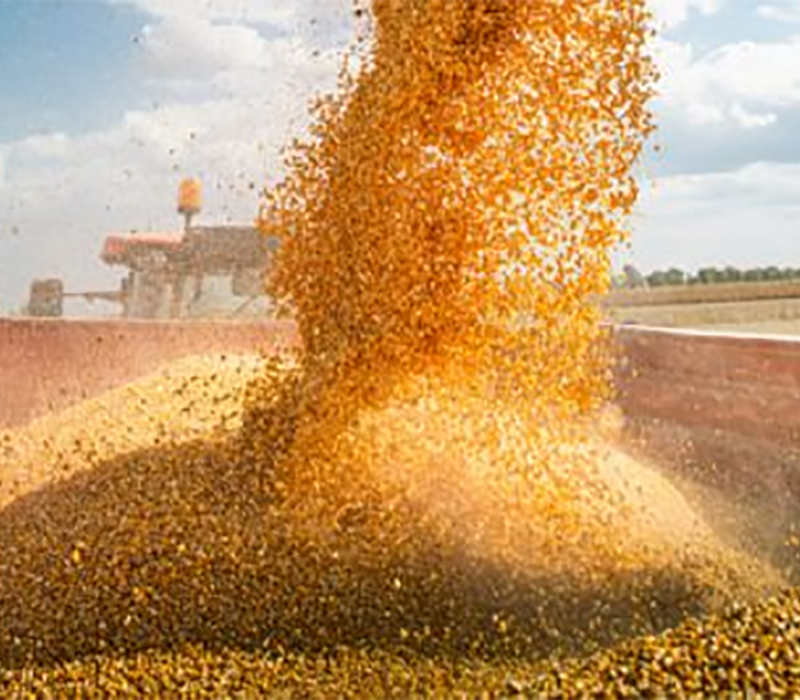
[201, 272]
[214, 271]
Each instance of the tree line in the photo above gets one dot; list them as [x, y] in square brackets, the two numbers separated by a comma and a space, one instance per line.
[632, 278]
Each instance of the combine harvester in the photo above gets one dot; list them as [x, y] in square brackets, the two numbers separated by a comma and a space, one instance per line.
[200, 272]
[199, 290]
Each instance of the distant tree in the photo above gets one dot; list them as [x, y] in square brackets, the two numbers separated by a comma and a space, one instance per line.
[732, 274]
[657, 278]
[772, 273]
[633, 278]
[750, 275]
[675, 277]
[788, 273]
[708, 275]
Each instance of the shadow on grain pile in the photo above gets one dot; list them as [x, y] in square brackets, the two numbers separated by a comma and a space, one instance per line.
[197, 544]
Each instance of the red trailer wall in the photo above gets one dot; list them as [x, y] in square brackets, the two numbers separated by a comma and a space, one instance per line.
[746, 385]
[50, 364]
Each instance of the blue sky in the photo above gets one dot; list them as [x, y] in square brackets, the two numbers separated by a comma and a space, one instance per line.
[65, 66]
[105, 104]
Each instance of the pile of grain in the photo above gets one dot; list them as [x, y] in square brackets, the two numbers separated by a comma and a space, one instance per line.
[201, 542]
[751, 651]
[188, 400]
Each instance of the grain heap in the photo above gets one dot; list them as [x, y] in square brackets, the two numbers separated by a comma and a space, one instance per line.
[427, 503]
[194, 398]
[751, 651]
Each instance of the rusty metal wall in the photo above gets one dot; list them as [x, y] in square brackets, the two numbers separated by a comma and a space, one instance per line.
[747, 385]
[744, 384]
[722, 413]
[46, 365]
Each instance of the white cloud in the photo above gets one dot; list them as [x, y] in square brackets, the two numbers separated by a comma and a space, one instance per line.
[786, 11]
[742, 84]
[180, 48]
[765, 72]
[671, 13]
[197, 59]
[753, 183]
[279, 12]
[55, 146]
[299, 16]
[742, 217]
[752, 120]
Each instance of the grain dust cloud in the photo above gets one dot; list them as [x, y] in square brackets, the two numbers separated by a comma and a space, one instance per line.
[427, 499]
